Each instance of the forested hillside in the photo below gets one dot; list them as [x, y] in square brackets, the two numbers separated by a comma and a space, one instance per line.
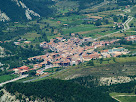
[93, 82]
[16, 13]
[42, 7]
[59, 91]
[13, 11]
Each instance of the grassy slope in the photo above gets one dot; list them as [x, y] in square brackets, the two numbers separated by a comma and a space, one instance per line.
[124, 98]
[7, 77]
[122, 67]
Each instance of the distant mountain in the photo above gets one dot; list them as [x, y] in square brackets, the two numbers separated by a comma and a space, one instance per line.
[16, 10]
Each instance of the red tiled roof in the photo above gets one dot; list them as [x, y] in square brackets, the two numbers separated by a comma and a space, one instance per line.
[24, 68]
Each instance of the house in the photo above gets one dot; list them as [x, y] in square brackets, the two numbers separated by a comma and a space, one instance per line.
[40, 72]
[59, 38]
[17, 43]
[42, 64]
[75, 62]
[43, 44]
[27, 42]
[56, 64]
[36, 66]
[59, 22]
[21, 70]
[65, 62]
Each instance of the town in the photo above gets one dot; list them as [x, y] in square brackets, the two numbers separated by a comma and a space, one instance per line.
[73, 51]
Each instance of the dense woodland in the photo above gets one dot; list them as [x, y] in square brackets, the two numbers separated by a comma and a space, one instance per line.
[59, 91]
[93, 82]
[83, 89]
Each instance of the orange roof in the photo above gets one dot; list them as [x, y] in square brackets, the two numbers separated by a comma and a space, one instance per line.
[37, 74]
[59, 38]
[23, 67]
[56, 62]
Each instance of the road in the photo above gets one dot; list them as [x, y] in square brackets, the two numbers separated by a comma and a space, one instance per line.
[126, 24]
[43, 76]
[126, 27]
[18, 78]
[116, 99]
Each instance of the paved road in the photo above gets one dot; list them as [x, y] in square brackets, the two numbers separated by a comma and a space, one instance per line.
[43, 76]
[20, 77]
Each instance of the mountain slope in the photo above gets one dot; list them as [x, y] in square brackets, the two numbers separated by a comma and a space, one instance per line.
[17, 10]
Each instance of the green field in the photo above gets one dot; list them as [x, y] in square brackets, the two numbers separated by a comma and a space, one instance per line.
[7, 77]
[31, 36]
[127, 98]
[124, 98]
[79, 28]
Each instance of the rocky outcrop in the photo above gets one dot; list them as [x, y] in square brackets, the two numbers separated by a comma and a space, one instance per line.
[115, 80]
[28, 12]
[3, 17]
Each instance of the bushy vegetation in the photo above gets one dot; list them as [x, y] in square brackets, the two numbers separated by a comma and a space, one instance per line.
[124, 87]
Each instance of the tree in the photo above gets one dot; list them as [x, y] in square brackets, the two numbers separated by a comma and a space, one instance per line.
[115, 19]
[114, 59]
[132, 25]
[31, 46]
[90, 63]
[32, 73]
[106, 21]
[101, 60]
[98, 23]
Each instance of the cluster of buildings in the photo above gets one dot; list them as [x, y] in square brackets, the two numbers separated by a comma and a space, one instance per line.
[114, 52]
[22, 40]
[70, 52]
[21, 70]
[118, 25]
[25, 42]
[131, 38]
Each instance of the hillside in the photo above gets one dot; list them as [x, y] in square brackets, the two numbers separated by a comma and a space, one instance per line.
[25, 9]
[18, 10]
[58, 91]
